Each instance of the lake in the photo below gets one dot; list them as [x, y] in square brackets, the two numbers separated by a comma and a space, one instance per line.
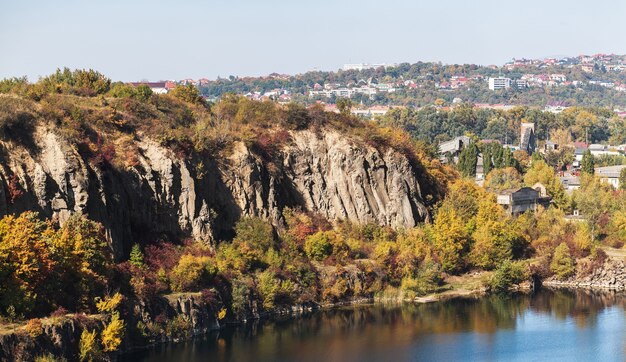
[547, 326]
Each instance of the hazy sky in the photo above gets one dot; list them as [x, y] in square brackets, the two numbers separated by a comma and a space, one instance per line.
[175, 39]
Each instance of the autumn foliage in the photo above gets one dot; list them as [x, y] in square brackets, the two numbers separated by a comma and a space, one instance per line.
[43, 268]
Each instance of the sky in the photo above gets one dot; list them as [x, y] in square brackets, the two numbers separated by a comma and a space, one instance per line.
[165, 39]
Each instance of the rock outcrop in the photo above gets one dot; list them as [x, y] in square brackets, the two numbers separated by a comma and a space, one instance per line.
[163, 194]
[610, 276]
[60, 336]
[58, 339]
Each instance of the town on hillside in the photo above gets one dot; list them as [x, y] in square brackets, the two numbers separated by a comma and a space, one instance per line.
[553, 84]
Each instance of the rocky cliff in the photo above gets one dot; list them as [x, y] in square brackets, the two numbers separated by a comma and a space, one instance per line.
[166, 194]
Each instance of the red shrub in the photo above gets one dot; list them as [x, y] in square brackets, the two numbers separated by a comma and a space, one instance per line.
[14, 188]
[164, 255]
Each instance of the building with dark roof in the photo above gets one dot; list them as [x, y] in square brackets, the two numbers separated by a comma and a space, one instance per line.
[528, 140]
[518, 201]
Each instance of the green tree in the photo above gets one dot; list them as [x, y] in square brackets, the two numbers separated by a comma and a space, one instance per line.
[83, 261]
[188, 93]
[507, 274]
[562, 264]
[122, 90]
[256, 233]
[192, 273]
[136, 256]
[587, 165]
[319, 245]
[143, 92]
[536, 157]
[88, 348]
[593, 199]
[487, 163]
[622, 179]
[344, 105]
[468, 160]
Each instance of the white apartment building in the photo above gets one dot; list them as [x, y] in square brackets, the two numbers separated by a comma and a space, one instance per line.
[499, 83]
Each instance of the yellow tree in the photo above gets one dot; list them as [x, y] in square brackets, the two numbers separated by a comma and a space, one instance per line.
[496, 237]
[502, 179]
[450, 238]
[541, 172]
[25, 261]
[594, 199]
[582, 123]
[82, 258]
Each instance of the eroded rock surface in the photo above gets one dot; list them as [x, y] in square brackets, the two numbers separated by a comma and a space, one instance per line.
[164, 194]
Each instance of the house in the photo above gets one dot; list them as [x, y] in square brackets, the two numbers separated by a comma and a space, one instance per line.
[454, 146]
[556, 107]
[570, 182]
[518, 201]
[587, 67]
[371, 111]
[610, 174]
[169, 85]
[558, 77]
[550, 146]
[598, 150]
[520, 83]
[156, 87]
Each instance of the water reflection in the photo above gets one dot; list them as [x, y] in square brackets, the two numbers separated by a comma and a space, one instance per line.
[547, 325]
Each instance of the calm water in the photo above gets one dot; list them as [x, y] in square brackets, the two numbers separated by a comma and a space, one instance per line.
[549, 326]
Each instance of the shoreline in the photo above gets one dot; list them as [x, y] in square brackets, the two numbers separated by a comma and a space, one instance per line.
[438, 297]
[460, 287]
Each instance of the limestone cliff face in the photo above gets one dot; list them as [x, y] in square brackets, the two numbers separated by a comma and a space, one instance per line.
[166, 195]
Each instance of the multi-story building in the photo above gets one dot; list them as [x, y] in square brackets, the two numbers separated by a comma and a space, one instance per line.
[499, 83]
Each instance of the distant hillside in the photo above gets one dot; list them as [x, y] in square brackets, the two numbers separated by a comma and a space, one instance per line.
[597, 81]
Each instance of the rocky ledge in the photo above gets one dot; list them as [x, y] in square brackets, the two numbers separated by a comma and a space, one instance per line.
[612, 276]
